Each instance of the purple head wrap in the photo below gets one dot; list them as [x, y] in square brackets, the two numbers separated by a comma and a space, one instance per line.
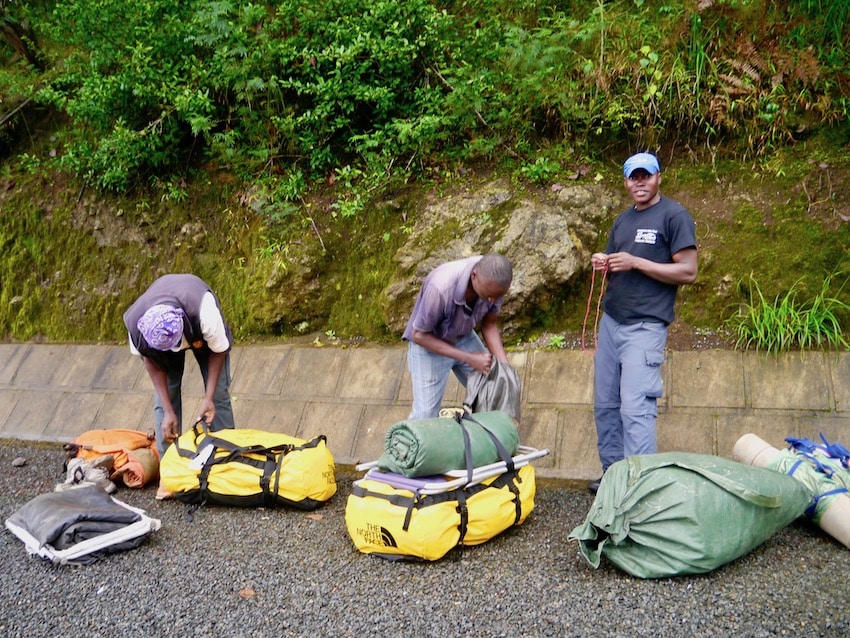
[162, 327]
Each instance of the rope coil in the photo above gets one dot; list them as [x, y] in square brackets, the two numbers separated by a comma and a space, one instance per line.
[598, 306]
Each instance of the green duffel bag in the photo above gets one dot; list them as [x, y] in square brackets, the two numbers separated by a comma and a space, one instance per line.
[670, 514]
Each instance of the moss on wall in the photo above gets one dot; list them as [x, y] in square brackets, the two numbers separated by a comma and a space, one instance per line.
[73, 260]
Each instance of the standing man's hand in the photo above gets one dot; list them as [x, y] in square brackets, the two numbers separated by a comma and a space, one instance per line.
[599, 261]
[623, 261]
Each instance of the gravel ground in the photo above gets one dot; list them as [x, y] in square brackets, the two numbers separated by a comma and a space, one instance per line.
[282, 572]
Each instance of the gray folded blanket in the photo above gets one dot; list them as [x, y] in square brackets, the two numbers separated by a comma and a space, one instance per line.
[63, 519]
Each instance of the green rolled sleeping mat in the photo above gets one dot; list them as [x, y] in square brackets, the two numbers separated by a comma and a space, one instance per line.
[659, 515]
[425, 447]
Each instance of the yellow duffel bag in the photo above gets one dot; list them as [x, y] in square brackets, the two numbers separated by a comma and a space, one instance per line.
[399, 523]
[248, 468]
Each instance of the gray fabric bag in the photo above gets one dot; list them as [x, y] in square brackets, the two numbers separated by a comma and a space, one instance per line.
[498, 390]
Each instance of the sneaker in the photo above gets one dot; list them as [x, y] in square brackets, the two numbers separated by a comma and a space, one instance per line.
[593, 486]
[99, 472]
[76, 471]
[163, 494]
[107, 462]
[82, 473]
[100, 477]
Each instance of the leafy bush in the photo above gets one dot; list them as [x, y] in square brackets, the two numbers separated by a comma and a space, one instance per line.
[262, 87]
[290, 89]
[542, 170]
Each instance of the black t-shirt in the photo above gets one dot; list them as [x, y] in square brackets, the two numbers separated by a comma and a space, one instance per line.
[656, 233]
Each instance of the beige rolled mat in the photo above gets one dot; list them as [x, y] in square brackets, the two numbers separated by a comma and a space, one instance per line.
[753, 450]
[835, 521]
[141, 468]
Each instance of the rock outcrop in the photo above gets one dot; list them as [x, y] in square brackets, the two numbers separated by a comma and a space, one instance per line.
[548, 240]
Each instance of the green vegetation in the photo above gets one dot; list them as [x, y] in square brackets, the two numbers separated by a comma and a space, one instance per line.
[787, 323]
[289, 92]
[253, 142]
[557, 342]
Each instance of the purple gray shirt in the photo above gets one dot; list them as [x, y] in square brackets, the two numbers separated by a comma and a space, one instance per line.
[441, 306]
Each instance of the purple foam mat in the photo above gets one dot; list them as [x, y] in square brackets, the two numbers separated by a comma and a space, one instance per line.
[400, 481]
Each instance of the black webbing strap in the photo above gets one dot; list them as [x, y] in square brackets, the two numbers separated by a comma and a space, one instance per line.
[463, 511]
[407, 502]
[189, 453]
[278, 465]
[270, 463]
[235, 450]
[467, 448]
[211, 439]
[420, 501]
[504, 455]
[510, 480]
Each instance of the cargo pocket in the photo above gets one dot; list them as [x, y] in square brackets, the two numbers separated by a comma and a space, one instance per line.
[654, 384]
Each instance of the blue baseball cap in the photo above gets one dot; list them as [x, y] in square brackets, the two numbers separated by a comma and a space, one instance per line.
[646, 161]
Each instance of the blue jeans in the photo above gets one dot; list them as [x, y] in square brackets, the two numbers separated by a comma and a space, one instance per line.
[430, 374]
[223, 408]
[626, 386]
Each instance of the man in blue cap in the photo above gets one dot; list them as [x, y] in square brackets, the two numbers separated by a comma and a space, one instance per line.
[651, 251]
[180, 312]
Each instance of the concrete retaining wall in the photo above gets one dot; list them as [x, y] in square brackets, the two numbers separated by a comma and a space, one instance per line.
[712, 397]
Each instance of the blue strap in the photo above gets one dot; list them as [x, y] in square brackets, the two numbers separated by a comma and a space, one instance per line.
[803, 445]
[820, 467]
[825, 469]
[837, 451]
[810, 510]
[809, 448]
[794, 467]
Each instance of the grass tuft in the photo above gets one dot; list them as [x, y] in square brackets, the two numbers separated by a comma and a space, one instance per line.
[787, 323]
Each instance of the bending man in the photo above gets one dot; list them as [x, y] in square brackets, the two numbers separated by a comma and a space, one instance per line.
[177, 313]
[455, 297]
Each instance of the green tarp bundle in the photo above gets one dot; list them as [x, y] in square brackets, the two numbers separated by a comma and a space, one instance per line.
[425, 447]
[670, 514]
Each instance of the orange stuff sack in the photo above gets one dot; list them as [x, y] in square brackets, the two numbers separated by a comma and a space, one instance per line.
[134, 453]
[142, 467]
